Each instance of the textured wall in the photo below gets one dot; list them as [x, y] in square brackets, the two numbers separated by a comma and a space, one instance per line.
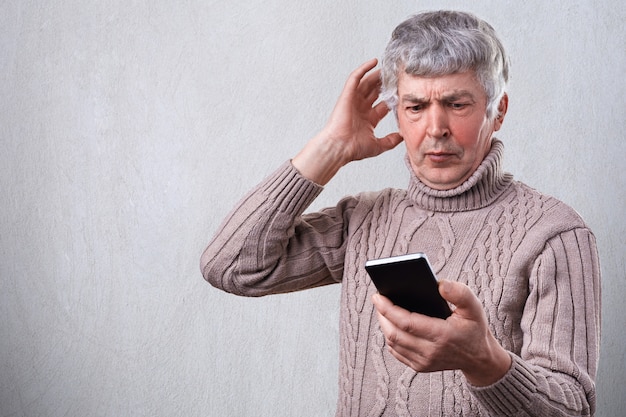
[129, 129]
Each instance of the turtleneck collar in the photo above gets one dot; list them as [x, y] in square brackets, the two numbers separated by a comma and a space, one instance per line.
[486, 184]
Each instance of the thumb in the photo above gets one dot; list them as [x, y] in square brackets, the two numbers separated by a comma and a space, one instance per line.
[459, 294]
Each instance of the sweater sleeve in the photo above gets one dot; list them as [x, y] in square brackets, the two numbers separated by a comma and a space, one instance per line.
[266, 246]
[555, 373]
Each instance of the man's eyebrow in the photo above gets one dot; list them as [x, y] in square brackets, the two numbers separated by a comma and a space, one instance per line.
[456, 95]
[414, 99]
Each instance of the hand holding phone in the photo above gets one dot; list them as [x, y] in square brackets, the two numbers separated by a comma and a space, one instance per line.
[409, 282]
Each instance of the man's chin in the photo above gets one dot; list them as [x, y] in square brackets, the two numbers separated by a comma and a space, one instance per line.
[442, 181]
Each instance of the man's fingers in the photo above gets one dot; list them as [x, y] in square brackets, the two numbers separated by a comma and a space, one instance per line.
[356, 76]
[467, 304]
[379, 111]
[390, 141]
[401, 319]
[369, 87]
[389, 329]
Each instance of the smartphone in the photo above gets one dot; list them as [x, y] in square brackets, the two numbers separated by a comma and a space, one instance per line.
[409, 282]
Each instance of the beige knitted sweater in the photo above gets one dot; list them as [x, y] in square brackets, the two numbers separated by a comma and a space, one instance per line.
[529, 258]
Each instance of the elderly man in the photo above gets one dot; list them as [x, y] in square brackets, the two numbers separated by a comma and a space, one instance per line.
[520, 268]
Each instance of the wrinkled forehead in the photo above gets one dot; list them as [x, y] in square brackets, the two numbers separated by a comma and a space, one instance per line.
[447, 86]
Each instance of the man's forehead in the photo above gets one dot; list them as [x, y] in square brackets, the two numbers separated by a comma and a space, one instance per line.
[413, 87]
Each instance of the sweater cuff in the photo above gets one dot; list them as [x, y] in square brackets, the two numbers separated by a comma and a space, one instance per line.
[292, 191]
[511, 393]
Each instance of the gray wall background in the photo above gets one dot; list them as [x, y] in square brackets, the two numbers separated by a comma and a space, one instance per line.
[128, 129]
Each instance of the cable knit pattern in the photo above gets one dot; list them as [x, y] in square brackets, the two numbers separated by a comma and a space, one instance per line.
[529, 258]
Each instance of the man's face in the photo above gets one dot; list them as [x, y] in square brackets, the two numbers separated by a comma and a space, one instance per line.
[444, 125]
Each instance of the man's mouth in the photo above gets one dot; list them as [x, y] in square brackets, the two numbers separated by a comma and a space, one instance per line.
[439, 156]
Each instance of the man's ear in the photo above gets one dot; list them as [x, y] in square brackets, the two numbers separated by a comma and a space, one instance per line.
[502, 108]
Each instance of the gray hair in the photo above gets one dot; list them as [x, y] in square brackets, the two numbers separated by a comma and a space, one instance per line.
[441, 43]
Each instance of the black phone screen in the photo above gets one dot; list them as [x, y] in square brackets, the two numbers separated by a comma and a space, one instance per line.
[409, 282]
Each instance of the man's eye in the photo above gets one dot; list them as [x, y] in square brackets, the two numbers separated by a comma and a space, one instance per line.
[458, 106]
[416, 109]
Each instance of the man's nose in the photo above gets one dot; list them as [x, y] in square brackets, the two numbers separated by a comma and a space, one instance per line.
[438, 126]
